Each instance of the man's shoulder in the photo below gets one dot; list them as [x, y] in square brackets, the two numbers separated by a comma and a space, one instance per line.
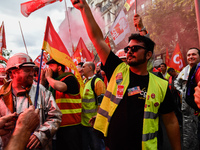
[185, 68]
[184, 73]
[41, 87]
[67, 74]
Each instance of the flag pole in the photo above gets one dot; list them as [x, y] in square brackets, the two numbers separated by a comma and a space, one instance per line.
[38, 82]
[70, 34]
[23, 38]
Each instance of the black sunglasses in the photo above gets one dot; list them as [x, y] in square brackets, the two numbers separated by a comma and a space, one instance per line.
[134, 48]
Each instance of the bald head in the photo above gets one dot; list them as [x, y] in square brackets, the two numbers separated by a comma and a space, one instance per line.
[88, 69]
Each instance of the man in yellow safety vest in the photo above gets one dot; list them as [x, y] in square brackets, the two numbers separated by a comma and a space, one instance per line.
[128, 116]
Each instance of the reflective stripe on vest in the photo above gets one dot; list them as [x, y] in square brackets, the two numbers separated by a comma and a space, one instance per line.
[89, 106]
[156, 91]
[70, 106]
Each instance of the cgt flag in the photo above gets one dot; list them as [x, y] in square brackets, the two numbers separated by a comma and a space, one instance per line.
[128, 4]
[167, 58]
[82, 54]
[2, 38]
[28, 7]
[177, 62]
[120, 28]
[55, 47]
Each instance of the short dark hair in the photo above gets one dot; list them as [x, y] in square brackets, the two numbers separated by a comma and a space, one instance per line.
[62, 67]
[52, 61]
[148, 43]
[196, 49]
[163, 64]
[81, 64]
[170, 69]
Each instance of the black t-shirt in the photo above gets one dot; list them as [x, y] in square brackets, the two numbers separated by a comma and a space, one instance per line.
[72, 85]
[125, 129]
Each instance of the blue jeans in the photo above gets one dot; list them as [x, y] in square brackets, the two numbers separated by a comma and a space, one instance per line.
[90, 140]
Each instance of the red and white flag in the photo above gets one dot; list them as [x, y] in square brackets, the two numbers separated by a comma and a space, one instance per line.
[120, 28]
[167, 58]
[28, 7]
[177, 62]
[82, 54]
[44, 60]
[2, 38]
[53, 45]
[128, 4]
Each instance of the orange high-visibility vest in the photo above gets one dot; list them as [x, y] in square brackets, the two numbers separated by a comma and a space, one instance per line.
[70, 106]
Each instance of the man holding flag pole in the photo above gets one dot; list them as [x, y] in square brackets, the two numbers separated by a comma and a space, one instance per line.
[19, 93]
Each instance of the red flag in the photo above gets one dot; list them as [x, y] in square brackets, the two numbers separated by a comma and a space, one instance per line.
[44, 60]
[108, 42]
[28, 7]
[167, 57]
[82, 54]
[177, 62]
[2, 39]
[128, 4]
[2, 58]
[76, 57]
[55, 47]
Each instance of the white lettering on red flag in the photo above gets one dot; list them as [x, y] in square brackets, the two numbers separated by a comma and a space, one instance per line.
[177, 59]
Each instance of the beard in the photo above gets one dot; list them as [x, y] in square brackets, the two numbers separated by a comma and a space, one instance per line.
[25, 82]
[136, 63]
[55, 75]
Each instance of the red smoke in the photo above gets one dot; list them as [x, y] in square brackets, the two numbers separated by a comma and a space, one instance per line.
[77, 28]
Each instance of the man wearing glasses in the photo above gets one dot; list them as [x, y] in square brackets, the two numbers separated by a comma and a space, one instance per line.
[128, 114]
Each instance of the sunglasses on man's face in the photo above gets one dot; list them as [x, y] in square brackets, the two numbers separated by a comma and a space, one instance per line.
[134, 48]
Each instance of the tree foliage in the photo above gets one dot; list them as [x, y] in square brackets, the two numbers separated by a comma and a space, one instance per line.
[169, 22]
[172, 21]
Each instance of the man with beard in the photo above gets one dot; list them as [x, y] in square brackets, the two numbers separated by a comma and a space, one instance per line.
[65, 89]
[98, 72]
[128, 114]
[19, 93]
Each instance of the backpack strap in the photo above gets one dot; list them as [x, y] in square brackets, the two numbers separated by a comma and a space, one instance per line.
[92, 85]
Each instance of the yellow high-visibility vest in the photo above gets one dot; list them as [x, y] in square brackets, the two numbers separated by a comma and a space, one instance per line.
[89, 104]
[157, 88]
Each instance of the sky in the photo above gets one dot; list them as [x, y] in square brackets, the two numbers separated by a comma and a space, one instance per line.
[33, 27]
